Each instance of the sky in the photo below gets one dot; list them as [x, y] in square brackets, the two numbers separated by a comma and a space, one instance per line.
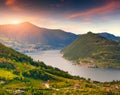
[77, 16]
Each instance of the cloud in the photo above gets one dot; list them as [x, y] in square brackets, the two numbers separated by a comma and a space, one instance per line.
[12, 5]
[107, 8]
[10, 2]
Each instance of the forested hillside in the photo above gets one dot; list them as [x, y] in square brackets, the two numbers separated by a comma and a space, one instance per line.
[94, 50]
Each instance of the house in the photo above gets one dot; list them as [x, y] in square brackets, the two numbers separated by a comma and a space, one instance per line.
[46, 84]
[18, 91]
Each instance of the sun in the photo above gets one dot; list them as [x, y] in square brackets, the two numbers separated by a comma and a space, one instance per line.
[16, 22]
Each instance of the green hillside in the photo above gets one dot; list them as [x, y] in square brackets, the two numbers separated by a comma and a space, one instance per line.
[20, 75]
[94, 50]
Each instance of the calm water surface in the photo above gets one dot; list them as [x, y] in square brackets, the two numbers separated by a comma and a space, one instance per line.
[55, 59]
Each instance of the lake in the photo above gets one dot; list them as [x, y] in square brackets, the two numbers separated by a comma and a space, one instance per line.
[55, 59]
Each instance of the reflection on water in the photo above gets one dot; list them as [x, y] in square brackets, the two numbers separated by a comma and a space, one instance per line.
[55, 59]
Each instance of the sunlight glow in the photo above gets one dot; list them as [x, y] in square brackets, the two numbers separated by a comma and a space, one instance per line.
[16, 22]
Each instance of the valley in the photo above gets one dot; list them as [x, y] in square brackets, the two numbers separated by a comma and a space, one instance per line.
[55, 59]
[20, 75]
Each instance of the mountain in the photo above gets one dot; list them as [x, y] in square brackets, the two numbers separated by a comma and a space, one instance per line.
[109, 36]
[20, 75]
[94, 50]
[11, 42]
[36, 37]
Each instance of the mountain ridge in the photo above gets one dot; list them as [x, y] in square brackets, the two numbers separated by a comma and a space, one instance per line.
[109, 36]
[42, 38]
[93, 49]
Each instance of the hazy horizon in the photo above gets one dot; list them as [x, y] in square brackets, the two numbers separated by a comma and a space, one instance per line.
[77, 16]
[62, 29]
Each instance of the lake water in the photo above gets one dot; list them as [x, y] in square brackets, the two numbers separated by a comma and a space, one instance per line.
[55, 59]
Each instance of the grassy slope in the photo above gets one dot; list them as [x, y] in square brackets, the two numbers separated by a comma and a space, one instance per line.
[94, 49]
[19, 72]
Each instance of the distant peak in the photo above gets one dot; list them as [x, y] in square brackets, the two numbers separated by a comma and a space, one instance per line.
[26, 23]
[90, 32]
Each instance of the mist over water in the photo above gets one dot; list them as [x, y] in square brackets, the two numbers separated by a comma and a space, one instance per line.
[54, 58]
